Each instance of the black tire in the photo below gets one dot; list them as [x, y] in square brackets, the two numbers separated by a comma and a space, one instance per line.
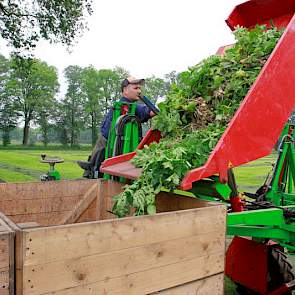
[280, 270]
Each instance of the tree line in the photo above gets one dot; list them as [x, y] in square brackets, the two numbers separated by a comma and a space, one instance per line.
[29, 96]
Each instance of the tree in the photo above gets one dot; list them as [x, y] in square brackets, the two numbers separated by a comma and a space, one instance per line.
[101, 88]
[120, 75]
[61, 124]
[34, 85]
[155, 88]
[74, 102]
[8, 112]
[24, 23]
[93, 106]
[43, 121]
[172, 77]
[110, 85]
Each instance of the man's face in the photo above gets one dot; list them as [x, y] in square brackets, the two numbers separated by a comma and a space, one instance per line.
[132, 91]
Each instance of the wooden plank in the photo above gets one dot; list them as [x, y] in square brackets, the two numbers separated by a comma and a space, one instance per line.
[53, 218]
[8, 223]
[100, 198]
[151, 280]
[30, 224]
[69, 273]
[4, 249]
[167, 202]
[82, 205]
[4, 281]
[19, 257]
[7, 252]
[89, 214]
[40, 205]
[108, 190]
[4, 263]
[7, 255]
[111, 235]
[65, 188]
[207, 286]
[43, 219]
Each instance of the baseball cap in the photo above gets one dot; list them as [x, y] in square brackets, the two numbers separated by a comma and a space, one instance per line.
[131, 80]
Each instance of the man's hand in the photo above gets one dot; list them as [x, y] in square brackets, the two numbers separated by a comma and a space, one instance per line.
[152, 114]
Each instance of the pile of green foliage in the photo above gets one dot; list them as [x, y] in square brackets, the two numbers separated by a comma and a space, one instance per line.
[194, 116]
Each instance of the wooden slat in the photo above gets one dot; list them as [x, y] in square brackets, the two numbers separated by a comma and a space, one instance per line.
[89, 214]
[53, 218]
[207, 286]
[44, 190]
[167, 202]
[8, 223]
[106, 236]
[45, 205]
[69, 273]
[43, 219]
[30, 224]
[82, 205]
[7, 235]
[151, 280]
[4, 263]
[4, 281]
[108, 189]
[19, 261]
[4, 249]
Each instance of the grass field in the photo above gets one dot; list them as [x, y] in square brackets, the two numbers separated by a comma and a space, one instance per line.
[19, 165]
[24, 165]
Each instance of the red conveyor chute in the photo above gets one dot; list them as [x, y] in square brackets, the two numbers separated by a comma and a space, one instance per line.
[259, 121]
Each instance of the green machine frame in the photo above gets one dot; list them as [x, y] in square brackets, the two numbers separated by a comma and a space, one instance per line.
[270, 213]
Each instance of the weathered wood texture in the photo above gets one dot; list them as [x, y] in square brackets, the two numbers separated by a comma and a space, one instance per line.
[207, 286]
[134, 255]
[47, 203]
[6, 258]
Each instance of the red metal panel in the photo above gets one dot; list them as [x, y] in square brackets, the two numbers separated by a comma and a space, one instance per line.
[246, 264]
[268, 12]
[120, 165]
[123, 169]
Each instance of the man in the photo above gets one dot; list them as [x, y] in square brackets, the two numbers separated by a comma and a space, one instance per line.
[131, 90]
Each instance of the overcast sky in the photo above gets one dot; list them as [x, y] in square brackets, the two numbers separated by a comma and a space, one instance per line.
[146, 37]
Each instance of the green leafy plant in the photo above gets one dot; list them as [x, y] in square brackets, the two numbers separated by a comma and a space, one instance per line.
[194, 116]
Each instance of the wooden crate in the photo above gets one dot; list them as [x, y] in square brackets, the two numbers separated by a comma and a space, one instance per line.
[178, 251]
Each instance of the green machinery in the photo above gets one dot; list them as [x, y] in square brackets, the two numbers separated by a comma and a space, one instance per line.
[257, 263]
[52, 174]
[270, 212]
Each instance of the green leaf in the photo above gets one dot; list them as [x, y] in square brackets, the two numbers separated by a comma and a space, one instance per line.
[151, 210]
